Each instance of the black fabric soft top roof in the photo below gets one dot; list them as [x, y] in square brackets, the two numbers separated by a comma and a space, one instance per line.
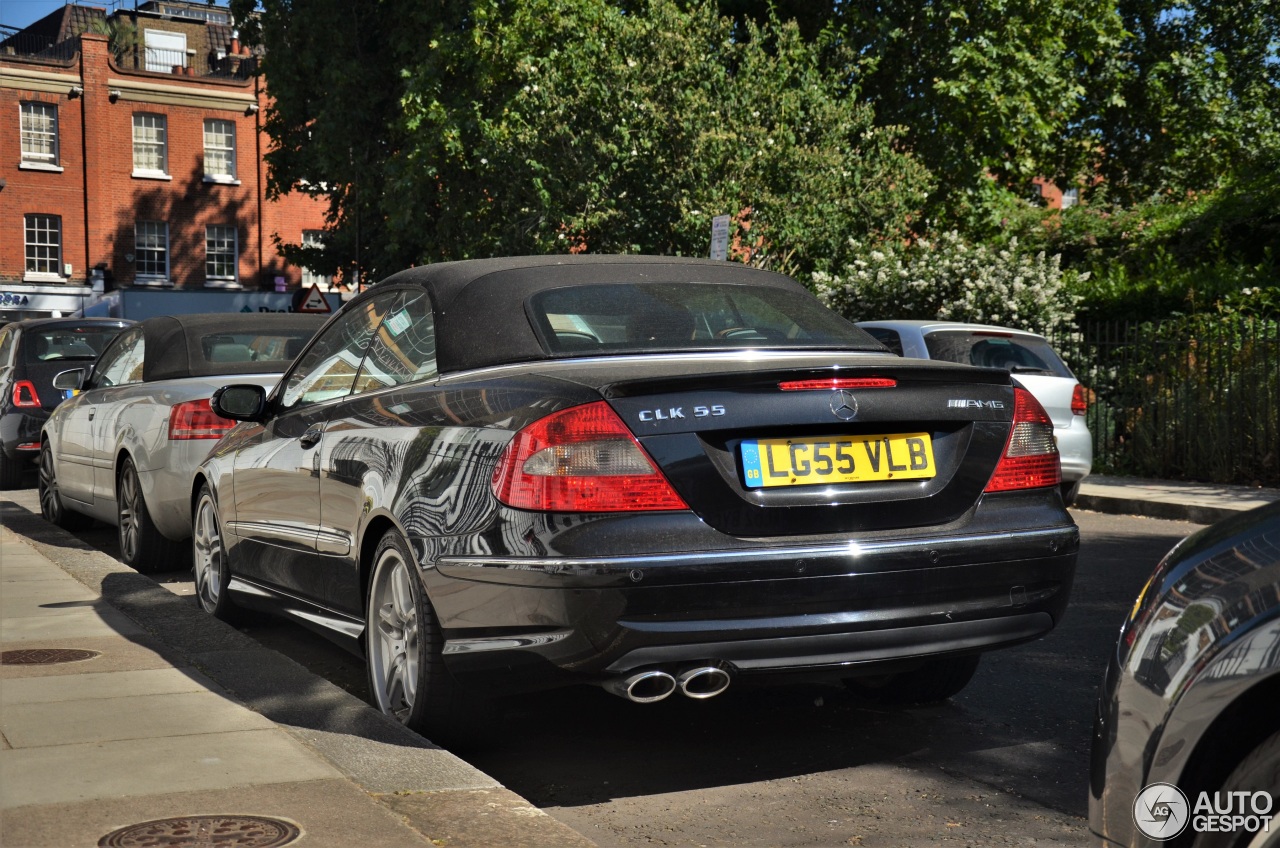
[480, 303]
[173, 343]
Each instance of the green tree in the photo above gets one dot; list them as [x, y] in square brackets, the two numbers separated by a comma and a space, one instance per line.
[558, 125]
[333, 71]
[1191, 99]
[990, 94]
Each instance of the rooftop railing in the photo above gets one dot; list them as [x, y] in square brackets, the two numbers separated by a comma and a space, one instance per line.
[23, 46]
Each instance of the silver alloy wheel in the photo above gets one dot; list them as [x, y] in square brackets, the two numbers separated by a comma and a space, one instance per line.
[50, 506]
[394, 635]
[129, 498]
[207, 546]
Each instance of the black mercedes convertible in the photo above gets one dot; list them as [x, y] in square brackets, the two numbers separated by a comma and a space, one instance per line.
[655, 475]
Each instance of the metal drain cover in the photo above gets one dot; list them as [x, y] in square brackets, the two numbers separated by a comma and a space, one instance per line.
[45, 656]
[204, 832]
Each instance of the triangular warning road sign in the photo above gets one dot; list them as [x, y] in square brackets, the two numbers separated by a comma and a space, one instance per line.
[314, 301]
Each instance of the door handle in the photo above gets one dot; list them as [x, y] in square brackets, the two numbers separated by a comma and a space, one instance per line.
[312, 436]
[92, 412]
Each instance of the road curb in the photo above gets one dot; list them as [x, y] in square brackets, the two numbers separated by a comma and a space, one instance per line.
[1194, 513]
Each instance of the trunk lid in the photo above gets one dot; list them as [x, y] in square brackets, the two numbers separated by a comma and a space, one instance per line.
[752, 459]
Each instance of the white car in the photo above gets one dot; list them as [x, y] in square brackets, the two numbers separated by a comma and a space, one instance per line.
[1030, 360]
[124, 448]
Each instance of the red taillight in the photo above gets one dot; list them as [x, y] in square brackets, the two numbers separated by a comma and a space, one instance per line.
[1030, 459]
[195, 420]
[582, 459]
[838, 383]
[1079, 400]
[24, 394]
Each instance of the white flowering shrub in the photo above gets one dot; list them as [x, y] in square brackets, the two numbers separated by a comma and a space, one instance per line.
[949, 279]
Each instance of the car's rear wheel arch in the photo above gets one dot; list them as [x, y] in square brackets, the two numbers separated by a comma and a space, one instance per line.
[1224, 744]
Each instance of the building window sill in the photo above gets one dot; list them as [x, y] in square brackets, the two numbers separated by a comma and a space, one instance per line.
[221, 179]
[221, 284]
[154, 282]
[40, 166]
[151, 175]
[38, 277]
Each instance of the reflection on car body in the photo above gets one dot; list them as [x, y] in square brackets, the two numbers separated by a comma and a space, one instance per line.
[464, 477]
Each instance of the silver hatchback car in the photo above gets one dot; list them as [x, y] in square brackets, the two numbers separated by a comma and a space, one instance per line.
[1030, 360]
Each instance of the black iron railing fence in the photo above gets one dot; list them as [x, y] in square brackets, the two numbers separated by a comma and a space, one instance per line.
[1192, 398]
[39, 48]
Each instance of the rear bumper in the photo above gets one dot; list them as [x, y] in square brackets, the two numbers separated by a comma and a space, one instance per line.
[841, 608]
[167, 485]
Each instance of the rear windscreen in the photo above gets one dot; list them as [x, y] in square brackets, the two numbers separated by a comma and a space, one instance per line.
[686, 316]
[66, 344]
[1017, 354]
[276, 346]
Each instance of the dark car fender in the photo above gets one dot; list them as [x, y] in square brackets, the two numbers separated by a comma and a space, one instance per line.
[1193, 686]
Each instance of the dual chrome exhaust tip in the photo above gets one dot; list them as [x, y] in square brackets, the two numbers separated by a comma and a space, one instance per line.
[648, 687]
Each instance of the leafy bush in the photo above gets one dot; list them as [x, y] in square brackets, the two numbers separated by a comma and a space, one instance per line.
[950, 279]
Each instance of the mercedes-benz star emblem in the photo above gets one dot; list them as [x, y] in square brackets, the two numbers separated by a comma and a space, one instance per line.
[844, 405]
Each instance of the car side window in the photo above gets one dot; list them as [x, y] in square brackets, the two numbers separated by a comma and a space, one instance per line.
[888, 338]
[329, 367]
[403, 349]
[6, 347]
[121, 363]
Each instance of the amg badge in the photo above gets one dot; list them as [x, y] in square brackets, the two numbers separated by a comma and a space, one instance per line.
[966, 403]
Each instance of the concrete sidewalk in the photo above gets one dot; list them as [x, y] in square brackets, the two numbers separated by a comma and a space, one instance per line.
[165, 713]
[1199, 503]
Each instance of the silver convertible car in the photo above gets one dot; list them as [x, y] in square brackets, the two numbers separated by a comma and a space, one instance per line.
[649, 474]
[123, 449]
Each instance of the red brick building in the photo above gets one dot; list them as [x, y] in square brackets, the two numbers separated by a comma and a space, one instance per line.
[136, 159]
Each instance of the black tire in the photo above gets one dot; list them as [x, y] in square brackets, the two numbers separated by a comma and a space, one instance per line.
[408, 680]
[936, 680]
[1069, 492]
[1258, 772]
[11, 471]
[210, 567]
[142, 546]
[51, 506]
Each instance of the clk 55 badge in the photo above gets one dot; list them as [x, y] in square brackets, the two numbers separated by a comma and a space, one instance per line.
[674, 412]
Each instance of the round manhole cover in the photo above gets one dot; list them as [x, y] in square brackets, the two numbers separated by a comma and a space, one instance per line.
[45, 656]
[204, 832]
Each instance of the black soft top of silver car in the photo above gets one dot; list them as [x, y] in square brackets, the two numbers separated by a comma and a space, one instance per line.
[213, 344]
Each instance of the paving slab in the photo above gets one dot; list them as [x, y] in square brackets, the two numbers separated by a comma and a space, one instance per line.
[93, 685]
[330, 814]
[136, 767]
[115, 653]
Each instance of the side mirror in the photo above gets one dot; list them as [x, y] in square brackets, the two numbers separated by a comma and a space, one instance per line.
[70, 380]
[240, 402]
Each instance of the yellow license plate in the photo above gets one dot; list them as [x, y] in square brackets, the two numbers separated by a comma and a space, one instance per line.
[837, 459]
